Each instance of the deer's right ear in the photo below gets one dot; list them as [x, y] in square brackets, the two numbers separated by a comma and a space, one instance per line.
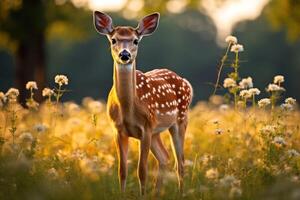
[103, 23]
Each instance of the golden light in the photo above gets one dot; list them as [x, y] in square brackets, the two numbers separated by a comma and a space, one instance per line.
[227, 14]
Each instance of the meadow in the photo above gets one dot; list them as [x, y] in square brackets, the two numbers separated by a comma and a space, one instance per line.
[238, 146]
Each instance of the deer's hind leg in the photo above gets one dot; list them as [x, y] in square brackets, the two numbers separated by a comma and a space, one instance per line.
[178, 134]
[162, 156]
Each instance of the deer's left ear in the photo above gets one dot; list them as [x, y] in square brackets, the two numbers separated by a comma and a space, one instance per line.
[103, 23]
[148, 24]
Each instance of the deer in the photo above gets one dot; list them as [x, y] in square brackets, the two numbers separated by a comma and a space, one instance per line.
[142, 105]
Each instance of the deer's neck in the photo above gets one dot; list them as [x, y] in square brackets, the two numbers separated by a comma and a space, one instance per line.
[124, 84]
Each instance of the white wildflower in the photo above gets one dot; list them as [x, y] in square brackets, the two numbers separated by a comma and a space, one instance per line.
[2, 99]
[229, 181]
[52, 173]
[287, 107]
[31, 85]
[293, 153]
[212, 173]
[264, 102]
[40, 128]
[223, 107]
[95, 106]
[268, 129]
[254, 91]
[229, 82]
[188, 163]
[237, 48]
[12, 93]
[246, 83]
[278, 140]
[278, 79]
[290, 100]
[218, 131]
[231, 39]
[215, 121]
[245, 94]
[274, 88]
[47, 92]
[61, 80]
[26, 137]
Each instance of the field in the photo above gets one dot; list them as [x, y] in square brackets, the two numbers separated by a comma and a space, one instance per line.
[236, 147]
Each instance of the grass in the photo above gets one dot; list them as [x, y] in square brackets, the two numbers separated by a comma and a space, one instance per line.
[235, 148]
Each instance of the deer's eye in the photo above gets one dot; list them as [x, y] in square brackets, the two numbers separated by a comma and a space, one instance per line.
[113, 41]
[136, 41]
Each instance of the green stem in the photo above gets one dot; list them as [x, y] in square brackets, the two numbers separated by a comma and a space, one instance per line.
[221, 67]
[236, 65]
[253, 101]
[235, 100]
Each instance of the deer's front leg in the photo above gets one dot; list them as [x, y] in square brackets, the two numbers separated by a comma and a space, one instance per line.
[122, 142]
[145, 144]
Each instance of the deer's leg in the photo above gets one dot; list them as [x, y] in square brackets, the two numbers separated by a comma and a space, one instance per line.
[178, 133]
[122, 142]
[145, 144]
[161, 156]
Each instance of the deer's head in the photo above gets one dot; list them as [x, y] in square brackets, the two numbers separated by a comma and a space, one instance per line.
[124, 40]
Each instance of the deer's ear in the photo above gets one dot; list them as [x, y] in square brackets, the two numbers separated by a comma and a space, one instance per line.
[103, 23]
[148, 24]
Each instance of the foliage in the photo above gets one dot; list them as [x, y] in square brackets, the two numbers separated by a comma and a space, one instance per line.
[67, 151]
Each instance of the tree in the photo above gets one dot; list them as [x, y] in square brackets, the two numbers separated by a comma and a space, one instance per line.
[25, 26]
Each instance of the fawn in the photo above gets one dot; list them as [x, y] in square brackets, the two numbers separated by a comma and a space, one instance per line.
[141, 105]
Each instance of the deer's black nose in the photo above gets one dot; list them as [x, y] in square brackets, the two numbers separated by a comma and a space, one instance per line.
[124, 55]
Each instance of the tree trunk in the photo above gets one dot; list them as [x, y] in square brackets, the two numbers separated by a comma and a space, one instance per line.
[31, 66]
[30, 55]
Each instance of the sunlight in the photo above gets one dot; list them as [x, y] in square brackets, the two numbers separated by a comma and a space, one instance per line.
[111, 5]
[226, 15]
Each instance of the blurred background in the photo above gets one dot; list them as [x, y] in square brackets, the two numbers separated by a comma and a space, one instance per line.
[42, 38]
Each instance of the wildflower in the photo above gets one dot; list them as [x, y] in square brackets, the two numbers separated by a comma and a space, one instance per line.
[52, 173]
[274, 88]
[235, 192]
[188, 163]
[212, 173]
[12, 94]
[31, 85]
[237, 48]
[40, 128]
[290, 100]
[47, 92]
[293, 153]
[95, 106]
[246, 83]
[279, 141]
[254, 91]
[231, 39]
[245, 94]
[223, 107]
[278, 79]
[268, 129]
[229, 181]
[32, 104]
[61, 80]
[215, 121]
[218, 131]
[170, 176]
[287, 107]
[229, 82]
[206, 159]
[2, 99]
[26, 137]
[90, 167]
[264, 102]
